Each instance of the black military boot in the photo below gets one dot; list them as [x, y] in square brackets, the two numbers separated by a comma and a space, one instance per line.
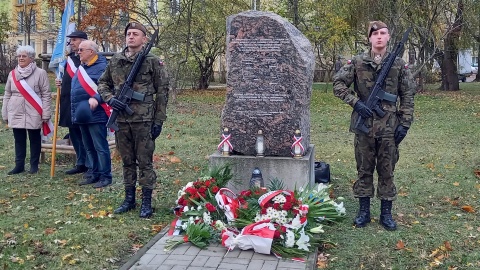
[386, 218]
[146, 210]
[363, 216]
[129, 202]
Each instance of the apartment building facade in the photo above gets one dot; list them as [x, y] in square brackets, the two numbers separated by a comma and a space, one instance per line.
[34, 24]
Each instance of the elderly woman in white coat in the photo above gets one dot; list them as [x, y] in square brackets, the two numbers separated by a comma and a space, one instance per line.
[26, 106]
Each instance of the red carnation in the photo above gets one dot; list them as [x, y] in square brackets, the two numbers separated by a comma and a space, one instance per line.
[263, 211]
[202, 190]
[207, 183]
[215, 189]
[246, 193]
[287, 206]
[276, 206]
[210, 207]
[182, 201]
[191, 190]
[276, 234]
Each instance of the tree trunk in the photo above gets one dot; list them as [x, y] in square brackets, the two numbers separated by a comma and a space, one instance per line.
[206, 72]
[449, 63]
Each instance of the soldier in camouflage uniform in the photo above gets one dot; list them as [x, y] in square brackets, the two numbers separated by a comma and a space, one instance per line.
[379, 148]
[136, 136]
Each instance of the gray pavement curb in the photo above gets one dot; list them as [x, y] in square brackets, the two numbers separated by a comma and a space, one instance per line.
[310, 263]
[135, 258]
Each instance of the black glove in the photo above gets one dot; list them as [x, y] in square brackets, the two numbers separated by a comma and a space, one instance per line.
[400, 134]
[362, 109]
[117, 104]
[156, 130]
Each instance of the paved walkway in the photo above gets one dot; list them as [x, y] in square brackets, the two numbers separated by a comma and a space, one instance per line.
[188, 257]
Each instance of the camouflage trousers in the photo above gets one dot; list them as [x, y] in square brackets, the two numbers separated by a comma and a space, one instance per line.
[380, 154]
[136, 147]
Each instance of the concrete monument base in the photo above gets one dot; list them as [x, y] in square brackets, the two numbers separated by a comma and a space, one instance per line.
[292, 171]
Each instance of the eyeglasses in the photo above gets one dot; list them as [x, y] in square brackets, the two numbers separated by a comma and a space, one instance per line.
[82, 49]
[22, 56]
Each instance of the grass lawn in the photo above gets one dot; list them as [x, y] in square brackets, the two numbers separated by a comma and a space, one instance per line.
[52, 223]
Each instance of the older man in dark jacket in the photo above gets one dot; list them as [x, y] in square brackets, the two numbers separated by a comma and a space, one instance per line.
[91, 114]
[73, 61]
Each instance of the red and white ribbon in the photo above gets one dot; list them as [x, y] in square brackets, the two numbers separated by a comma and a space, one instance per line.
[225, 139]
[265, 198]
[258, 236]
[31, 97]
[297, 142]
[228, 202]
[71, 68]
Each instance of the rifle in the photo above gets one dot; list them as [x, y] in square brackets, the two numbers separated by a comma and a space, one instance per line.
[127, 93]
[378, 94]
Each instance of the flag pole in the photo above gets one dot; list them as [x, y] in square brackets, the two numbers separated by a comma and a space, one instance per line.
[55, 128]
[58, 56]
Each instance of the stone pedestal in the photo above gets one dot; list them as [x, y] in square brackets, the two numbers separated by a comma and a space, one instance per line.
[293, 172]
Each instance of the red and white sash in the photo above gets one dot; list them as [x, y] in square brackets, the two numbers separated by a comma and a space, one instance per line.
[71, 68]
[31, 97]
[91, 88]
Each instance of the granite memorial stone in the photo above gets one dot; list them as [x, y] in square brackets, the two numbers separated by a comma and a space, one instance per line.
[270, 67]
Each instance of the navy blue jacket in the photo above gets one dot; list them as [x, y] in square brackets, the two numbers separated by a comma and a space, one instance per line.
[78, 94]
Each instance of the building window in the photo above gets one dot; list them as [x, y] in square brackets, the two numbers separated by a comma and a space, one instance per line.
[51, 15]
[32, 43]
[20, 21]
[33, 1]
[20, 2]
[33, 21]
[20, 42]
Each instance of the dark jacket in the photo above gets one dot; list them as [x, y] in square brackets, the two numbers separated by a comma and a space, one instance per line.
[65, 104]
[80, 95]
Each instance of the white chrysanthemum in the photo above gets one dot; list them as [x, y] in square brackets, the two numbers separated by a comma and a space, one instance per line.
[276, 215]
[268, 216]
[184, 225]
[283, 213]
[257, 219]
[282, 220]
[279, 198]
[191, 220]
[270, 210]
[185, 209]
[199, 208]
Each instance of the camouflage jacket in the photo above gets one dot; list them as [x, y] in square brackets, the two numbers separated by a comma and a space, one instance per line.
[151, 80]
[362, 71]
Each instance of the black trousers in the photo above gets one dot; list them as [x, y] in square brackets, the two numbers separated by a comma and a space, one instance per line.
[35, 138]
